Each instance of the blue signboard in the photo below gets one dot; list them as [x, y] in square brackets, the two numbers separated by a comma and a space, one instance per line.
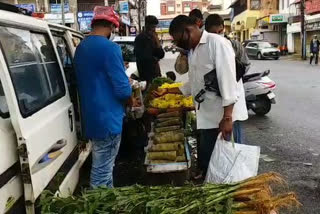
[56, 8]
[124, 6]
[84, 20]
[29, 7]
[164, 24]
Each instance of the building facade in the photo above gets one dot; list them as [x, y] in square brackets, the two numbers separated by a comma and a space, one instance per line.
[312, 24]
[169, 9]
[251, 20]
[50, 10]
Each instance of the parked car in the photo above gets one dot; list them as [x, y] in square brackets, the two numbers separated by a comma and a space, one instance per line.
[262, 50]
[127, 46]
[39, 111]
[246, 42]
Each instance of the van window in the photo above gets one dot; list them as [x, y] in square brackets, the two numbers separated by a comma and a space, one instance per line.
[67, 61]
[4, 110]
[33, 67]
[63, 52]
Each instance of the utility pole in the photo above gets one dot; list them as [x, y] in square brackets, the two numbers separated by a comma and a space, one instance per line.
[62, 12]
[303, 31]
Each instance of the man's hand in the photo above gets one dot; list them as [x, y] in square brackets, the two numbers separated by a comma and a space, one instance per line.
[225, 127]
[156, 39]
[126, 64]
[160, 92]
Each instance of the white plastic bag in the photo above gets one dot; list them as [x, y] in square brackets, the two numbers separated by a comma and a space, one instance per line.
[232, 162]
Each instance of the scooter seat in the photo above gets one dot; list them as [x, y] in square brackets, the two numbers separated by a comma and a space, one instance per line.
[252, 75]
[249, 76]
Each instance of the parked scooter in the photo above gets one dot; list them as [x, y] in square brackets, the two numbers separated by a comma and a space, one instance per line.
[258, 89]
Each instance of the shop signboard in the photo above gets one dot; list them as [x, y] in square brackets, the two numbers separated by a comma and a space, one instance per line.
[57, 18]
[313, 26]
[125, 20]
[313, 6]
[124, 7]
[278, 18]
[56, 8]
[133, 31]
[164, 23]
[29, 7]
[84, 20]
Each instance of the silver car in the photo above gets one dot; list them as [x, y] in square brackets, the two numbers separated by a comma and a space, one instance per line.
[262, 50]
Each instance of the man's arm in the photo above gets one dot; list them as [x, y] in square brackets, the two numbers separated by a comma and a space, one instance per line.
[226, 75]
[115, 70]
[158, 52]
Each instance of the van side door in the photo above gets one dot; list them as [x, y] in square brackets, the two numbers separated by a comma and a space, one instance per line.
[39, 104]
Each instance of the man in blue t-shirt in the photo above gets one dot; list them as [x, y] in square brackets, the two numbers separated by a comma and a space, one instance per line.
[104, 89]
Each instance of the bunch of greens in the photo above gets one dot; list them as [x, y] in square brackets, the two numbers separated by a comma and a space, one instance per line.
[252, 196]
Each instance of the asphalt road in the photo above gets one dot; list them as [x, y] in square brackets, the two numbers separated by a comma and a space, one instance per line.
[289, 135]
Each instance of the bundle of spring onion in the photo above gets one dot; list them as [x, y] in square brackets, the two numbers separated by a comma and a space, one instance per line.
[252, 196]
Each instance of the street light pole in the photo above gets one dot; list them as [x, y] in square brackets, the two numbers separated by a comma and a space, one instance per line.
[62, 12]
[303, 31]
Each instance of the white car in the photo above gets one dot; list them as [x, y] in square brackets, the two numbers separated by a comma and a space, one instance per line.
[127, 46]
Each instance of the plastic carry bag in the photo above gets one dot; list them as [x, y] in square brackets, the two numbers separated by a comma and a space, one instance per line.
[232, 162]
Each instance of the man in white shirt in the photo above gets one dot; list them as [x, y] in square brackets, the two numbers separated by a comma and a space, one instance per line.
[216, 113]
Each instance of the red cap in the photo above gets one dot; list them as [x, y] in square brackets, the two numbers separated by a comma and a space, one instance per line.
[106, 13]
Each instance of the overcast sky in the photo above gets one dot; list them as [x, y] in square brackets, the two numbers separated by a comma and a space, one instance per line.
[153, 7]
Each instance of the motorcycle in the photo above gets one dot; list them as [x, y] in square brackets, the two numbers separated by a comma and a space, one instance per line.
[258, 91]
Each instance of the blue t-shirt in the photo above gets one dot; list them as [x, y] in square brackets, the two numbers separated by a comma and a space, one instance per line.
[103, 86]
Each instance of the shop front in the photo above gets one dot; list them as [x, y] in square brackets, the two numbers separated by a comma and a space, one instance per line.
[279, 23]
[243, 25]
[313, 28]
[293, 37]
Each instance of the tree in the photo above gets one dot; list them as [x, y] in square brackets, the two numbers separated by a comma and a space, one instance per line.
[141, 7]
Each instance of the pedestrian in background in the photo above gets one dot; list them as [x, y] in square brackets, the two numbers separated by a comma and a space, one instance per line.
[104, 88]
[208, 52]
[314, 49]
[148, 51]
[197, 17]
[215, 24]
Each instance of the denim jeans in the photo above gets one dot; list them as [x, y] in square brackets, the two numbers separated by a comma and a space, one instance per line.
[238, 132]
[104, 153]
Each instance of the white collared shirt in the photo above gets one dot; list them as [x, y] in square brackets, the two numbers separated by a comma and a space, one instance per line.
[215, 52]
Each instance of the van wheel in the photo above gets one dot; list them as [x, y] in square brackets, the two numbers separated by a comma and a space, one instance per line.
[259, 56]
[276, 58]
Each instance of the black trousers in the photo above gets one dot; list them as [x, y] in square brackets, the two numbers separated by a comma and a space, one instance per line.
[316, 56]
[208, 138]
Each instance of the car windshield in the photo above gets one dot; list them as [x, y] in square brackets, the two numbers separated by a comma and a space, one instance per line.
[264, 45]
[127, 51]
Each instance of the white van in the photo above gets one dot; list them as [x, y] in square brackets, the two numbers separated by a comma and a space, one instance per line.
[39, 113]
